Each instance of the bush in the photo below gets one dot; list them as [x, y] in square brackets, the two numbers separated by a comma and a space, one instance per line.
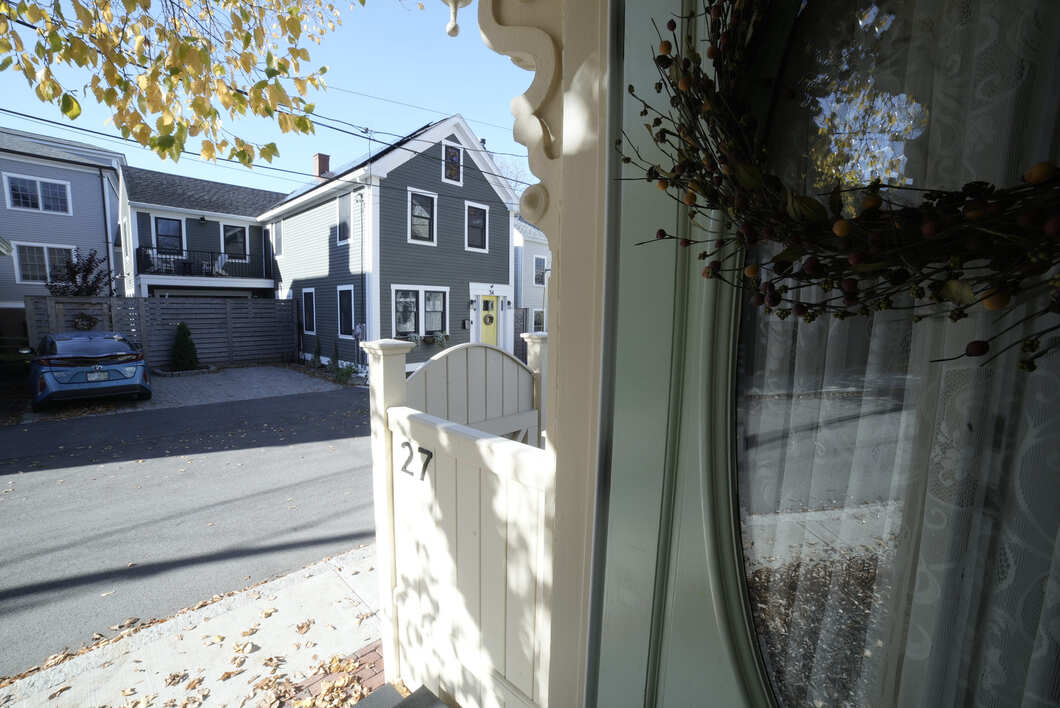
[334, 366]
[184, 355]
[343, 374]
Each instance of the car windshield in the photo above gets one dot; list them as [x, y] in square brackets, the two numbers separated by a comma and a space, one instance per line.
[92, 347]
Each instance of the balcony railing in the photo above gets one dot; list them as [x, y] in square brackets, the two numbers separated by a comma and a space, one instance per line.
[208, 264]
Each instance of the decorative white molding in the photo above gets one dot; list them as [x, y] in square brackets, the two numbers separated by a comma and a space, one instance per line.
[534, 49]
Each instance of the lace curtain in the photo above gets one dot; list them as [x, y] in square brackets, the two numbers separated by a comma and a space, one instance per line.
[901, 519]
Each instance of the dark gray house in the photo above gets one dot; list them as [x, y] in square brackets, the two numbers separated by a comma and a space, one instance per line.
[191, 237]
[413, 241]
[59, 195]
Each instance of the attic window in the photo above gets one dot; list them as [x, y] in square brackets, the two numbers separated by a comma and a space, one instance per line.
[452, 164]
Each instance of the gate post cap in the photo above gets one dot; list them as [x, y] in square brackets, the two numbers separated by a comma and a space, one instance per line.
[534, 336]
[387, 347]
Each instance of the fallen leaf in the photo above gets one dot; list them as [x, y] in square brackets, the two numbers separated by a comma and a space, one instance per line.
[250, 631]
[106, 594]
[304, 626]
[229, 674]
[238, 660]
[131, 565]
[55, 694]
[126, 623]
[96, 636]
[245, 648]
[194, 683]
[215, 639]
[176, 677]
[128, 691]
[269, 612]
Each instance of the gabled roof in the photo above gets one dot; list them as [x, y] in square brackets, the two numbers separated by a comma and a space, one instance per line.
[18, 141]
[392, 155]
[528, 231]
[163, 189]
[359, 162]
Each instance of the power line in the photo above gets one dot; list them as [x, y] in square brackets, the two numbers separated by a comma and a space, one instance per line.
[413, 105]
[272, 168]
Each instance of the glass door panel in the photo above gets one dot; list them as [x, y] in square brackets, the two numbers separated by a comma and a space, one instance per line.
[900, 518]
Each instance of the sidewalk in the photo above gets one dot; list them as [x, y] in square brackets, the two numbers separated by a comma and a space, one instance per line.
[260, 646]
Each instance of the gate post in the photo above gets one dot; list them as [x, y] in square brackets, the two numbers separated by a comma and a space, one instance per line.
[386, 383]
[536, 358]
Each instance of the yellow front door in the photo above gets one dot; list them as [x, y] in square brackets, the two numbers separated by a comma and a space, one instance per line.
[488, 325]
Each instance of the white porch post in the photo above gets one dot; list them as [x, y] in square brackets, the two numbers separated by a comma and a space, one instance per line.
[386, 382]
[536, 361]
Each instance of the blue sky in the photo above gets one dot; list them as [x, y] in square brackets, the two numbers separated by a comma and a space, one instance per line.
[389, 49]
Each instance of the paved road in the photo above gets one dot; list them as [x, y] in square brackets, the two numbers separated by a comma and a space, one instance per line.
[201, 499]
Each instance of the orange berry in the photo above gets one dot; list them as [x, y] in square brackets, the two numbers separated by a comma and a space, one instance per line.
[871, 201]
[752, 271]
[996, 300]
[684, 84]
[665, 47]
[1042, 172]
[690, 198]
[841, 228]
[664, 184]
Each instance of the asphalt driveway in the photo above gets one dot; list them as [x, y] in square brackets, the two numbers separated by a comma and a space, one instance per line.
[142, 513]
[232, 384]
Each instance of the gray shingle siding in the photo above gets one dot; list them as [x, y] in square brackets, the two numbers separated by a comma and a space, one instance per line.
[323, 249]
[84, 229]
[448, 263]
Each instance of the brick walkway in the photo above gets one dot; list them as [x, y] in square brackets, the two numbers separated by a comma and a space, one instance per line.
[369, 673]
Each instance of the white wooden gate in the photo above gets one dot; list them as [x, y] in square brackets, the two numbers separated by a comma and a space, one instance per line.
[463, 528]
[481, 386]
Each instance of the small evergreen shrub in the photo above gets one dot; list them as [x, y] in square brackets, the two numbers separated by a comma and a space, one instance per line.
[343, 374]
[184, 355]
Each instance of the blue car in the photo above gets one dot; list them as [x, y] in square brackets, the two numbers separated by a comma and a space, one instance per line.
[86, 365]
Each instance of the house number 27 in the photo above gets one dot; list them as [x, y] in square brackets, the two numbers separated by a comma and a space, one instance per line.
[427, 456]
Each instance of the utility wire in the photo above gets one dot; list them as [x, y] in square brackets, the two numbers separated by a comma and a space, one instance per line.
[413, 105]
[271, 168]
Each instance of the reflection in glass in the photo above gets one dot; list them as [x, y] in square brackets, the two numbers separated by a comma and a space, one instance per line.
[900, 519]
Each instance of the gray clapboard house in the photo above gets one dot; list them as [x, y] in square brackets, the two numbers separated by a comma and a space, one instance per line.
[193, 237]
[412, 241]
[59, 195]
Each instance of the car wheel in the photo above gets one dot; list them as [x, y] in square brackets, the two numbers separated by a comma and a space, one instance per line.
[144, 396]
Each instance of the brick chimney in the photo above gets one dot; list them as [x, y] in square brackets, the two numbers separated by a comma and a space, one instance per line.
[321, 164]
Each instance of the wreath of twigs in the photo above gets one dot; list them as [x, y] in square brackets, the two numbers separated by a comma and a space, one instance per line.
[981, 246]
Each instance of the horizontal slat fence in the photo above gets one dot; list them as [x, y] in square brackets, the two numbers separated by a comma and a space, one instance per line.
[225, 330]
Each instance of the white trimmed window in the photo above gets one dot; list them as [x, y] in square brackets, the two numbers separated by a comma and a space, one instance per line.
[539, 270]
[40, 262]
[476, 227]
[234, 242]
[346, 311]
[309, 311]
[452, 163]
[419, 310]
[423, 217]
[169, 235]
[539, 321]
[37, 194]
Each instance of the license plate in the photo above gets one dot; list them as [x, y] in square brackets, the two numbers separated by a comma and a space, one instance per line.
[98, 375]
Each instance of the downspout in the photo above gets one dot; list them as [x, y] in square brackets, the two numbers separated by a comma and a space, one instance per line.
[106, 232]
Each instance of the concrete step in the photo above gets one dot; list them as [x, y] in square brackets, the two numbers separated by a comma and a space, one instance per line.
[386, 696]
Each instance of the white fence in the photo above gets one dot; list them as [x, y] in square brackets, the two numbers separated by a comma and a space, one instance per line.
[463, 529]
